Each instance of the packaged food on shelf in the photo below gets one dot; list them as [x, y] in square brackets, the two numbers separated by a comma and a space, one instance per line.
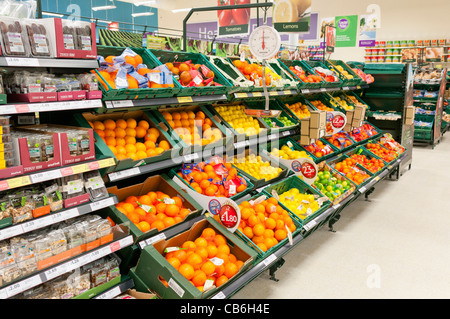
[74, 39]
[62, 289]
[38, 37]
[14, 37]
[112, 263]
[9, 273]
[94, 184]
[58, 241]
[71, 186]
[20, 207]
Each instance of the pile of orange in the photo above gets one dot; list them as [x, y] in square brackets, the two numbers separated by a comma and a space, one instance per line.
[321, 106]
[193, 128]
[130, 138]
[254, 72]
[349, 168]
[206, 179]
[153, 210]
[265, 223]
[208, 257]
[135, 61]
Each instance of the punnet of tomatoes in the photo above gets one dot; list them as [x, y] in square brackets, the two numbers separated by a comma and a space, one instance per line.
[190, 74]
[350, 170]
[326, 75]
[341, 140]
[319, 149]
[213, 177]
[310, 78]
[372, 164]
[382, 152]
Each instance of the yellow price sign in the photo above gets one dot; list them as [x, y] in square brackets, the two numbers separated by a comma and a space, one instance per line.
[185, 99]
[106, 162]
[81, 168]
[241, 95]
[274, 93]
[287, 92]
[257, 94]
[19, 181]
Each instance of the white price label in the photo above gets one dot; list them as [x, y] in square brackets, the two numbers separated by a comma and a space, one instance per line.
[45, 176]
[110, 294]
[127, 241]
[102, 204]
[176, 287]
[219, 295]
[11, 232]
[362, 190]
[337, 206]
[11, 61]
[124, 174]
[152, 240]
[270, 259]
[55, 272]
[310, 225]
[123, 103]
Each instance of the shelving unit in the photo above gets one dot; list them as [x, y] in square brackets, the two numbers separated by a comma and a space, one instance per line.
[392, 91]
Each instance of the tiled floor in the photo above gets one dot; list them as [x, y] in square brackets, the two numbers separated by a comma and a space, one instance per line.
[395, 246]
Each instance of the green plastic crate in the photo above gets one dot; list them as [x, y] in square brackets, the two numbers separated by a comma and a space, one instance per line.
[285, 103]
[173, 174]
[316, 159]
[110, 94]
[278, 68]
[81, 119]
[257, 183]
[307, 70]
[163, 57]
[295, 182]
[332, 163]
[188, 148]
[424, 133]
[318, 64]
[263, 254]
[377, 140]
[324, 167]
[357, 80]
[361, 150]
[274, 105]
[232, 73]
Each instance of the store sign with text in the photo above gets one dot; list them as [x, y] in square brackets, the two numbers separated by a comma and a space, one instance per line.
[292, 16]
[346, 31]
[368, 30]
[235, 21]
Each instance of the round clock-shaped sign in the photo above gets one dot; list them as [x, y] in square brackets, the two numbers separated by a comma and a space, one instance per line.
[264, 42]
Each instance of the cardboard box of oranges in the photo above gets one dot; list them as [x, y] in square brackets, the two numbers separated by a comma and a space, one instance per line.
[152, 206]
[131, 137]
[191, 126]
[194, 264]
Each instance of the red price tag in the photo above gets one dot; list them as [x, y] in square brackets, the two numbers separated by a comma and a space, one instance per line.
[93, 165]
[338, 121]
[308, 170]
[228, 216]
[66, 171]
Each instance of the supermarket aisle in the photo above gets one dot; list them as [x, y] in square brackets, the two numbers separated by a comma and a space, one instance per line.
[392, 247]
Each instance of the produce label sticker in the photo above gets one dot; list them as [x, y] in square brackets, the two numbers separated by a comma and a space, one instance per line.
[336, 122]
[176, 287]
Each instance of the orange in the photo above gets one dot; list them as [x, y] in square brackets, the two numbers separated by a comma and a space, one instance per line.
[270, 223]
[223, 248]
[258, 229]
[130, 140]
[110, 141]
[132, 156]
[131, 123]
[161, 208]
[187, 271]
[230, 269]
[209, 191]
[175, 262]
[132, 200]
[260, 208]
[248, 231]
[121, 123]
[120, 141]
[204, 184]
[132, 82]
[212, 251]
[252, 220]
[194, 259]
[181, 255]
[153, 131]
[134, 218]
[269, 242]
[220, 240]
[269, 233]
[199, 278]
[130, 148]
[262, 246]
[109, 124]
[150, 137]
[169, 221]
[208, 268]
[109, 133]
[280, 234]
[280, 224]
[149, 145]
[151, 152]
[113, 149]
[158, 224]
[189, 244]
[202, 252]
[140, 132]
[223, 256]
[183, 67]
[130, 132]
[221, 280]
[140, 212]
[140, 146]
[172, 210]
[209, 234]
[98, 125]
[128, 207]
[120, 132]
[141, 155]
[101, 133]
[201, 242]
[270, 208]
[144, 226]
[178, 201]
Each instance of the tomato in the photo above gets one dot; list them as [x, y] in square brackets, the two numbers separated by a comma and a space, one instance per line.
[225, 16]
[241, 16]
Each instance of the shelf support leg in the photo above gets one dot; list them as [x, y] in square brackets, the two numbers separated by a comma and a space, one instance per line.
[274, 268]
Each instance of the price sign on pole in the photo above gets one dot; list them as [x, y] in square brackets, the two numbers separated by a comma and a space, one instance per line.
[227, 209]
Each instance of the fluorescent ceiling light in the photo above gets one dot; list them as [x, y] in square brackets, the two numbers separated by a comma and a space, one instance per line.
[103, 7]
[53, 14]
[140, 14]
[137, 4]
[181, 10]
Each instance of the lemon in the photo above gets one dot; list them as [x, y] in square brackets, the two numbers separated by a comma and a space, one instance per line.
[285, 11]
